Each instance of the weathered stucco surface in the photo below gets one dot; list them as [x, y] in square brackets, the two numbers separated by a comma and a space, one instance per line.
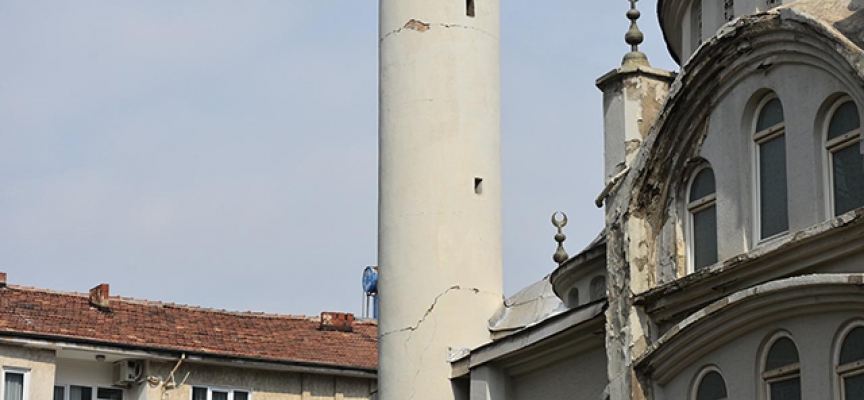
[39, 364]
[264, 385]
[439, 253]
[701, 121]
[584, 374]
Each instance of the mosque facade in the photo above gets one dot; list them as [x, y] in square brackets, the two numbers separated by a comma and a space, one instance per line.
[732, 260]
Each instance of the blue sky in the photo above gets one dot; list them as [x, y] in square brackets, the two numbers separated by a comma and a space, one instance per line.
[224, 153]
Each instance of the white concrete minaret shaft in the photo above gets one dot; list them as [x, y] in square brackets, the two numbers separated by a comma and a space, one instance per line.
[439, 238]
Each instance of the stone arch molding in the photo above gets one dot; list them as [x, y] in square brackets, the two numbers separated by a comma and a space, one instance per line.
[733, 316]
[745, 47]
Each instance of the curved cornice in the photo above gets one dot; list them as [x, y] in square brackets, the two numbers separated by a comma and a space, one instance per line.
[586, 262]
[749, 46]
[728, 318]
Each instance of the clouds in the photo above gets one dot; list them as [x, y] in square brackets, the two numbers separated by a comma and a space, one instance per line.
[224, 153]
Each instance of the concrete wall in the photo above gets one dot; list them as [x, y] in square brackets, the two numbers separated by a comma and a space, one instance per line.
[713, 17]
[729, 148]
[264, 385]
[580, 377]
[39, 364]
[439, 241]
[84, 373]
[45, 370]
[739, 360]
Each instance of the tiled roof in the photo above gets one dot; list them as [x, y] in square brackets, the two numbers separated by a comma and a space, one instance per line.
[149, 325]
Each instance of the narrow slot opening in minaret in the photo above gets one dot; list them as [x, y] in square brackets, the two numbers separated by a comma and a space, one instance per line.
[469, 7]
[478, 185]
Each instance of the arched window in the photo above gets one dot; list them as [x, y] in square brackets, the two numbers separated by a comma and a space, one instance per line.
[773, 216]
[702, 206]
[850, 368]
[573, 298]
[598, 288]
[782, 373]
[846, 171]
[711, 387]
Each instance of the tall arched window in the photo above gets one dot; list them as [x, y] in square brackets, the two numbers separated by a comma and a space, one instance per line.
[773, 217]
[850, 365]
[782, 374]
[846, 171]
[711, 387]
[598, 288]
[702, 206]
[573, 298]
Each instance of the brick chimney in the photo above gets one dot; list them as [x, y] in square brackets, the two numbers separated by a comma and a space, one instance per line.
[2, 280]
[99, 296]
[334, 321]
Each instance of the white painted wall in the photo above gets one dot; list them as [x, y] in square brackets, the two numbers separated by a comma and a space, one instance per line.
[729, 147]
[263, 385]
[581, 377]
[38, 366]
[739, 360]
[84, 373]
[439, 241]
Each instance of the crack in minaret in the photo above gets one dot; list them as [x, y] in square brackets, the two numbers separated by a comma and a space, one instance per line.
[429, 311]
[426, 314]
[420, 26]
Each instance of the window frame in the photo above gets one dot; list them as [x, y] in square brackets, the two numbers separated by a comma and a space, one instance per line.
[786, 372]
[697, 382]
[598, 282]
[841, 372]
[94, 390]
[693, 207]
[832, 146]
[758, 138]
[25, 372]
[210, 390]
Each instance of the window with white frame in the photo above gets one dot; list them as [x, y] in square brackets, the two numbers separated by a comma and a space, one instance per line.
[212, 393]
[711, 386]
[772, 192]
[845, 167]
[850, 365]
[782, 372]
[702, 225]
[79, 392]
[15, 384]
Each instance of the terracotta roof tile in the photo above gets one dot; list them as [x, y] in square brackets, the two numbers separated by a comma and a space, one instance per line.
[164, 326]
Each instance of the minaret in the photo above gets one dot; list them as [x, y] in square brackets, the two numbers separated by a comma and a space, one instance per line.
[439, 226]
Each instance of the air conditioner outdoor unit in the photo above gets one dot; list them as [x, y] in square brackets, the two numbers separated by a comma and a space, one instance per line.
[127, 372]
